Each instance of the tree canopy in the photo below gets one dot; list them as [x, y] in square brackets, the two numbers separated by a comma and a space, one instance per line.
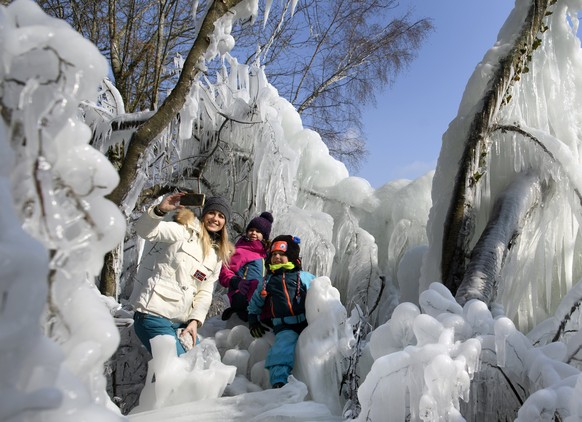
[329, 59]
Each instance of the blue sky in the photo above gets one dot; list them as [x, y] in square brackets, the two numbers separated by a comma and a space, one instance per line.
[405, 127]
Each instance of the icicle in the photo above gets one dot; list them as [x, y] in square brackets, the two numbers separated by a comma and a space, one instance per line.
[267, 11]
[293, 5]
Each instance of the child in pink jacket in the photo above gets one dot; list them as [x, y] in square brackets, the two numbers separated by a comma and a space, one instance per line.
[247, 265]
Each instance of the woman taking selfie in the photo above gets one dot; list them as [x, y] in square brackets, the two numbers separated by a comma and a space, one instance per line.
[178, 292]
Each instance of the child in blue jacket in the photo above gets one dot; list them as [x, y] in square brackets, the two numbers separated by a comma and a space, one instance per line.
[284, 289]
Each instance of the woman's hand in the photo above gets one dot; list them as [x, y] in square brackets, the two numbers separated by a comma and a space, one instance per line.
[192, 329]
[171, 202]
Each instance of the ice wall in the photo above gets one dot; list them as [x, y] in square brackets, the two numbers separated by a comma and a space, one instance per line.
[56, 331]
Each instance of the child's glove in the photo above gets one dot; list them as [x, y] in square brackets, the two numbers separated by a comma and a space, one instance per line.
[234, 282]
[245, 285]
[257, 329]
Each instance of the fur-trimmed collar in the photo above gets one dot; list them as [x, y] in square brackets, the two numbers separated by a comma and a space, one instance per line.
[186, 217]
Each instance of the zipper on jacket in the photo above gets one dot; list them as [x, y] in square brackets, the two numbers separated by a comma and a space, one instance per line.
[287, 296]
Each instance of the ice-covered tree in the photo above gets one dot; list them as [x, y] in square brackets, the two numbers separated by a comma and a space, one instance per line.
[509, 163]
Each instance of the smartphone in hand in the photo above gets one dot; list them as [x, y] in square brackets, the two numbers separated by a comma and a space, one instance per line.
[192, 200]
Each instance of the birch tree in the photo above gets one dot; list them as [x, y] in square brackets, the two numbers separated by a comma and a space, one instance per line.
[329, 59]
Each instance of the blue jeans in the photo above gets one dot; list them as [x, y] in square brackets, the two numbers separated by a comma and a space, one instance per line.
[148, 326]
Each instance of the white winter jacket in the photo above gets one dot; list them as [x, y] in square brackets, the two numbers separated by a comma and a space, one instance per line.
[181, 284]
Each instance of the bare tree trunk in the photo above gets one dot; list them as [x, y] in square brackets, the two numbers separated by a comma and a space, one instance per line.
[158, 54]
[459, 223]
[114, 44]
[488, 255]
[111, 271]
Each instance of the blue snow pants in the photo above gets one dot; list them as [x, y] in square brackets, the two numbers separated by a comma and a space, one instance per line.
[281, 357]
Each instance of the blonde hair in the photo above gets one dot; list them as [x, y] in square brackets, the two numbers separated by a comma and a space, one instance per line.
[224, 247]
